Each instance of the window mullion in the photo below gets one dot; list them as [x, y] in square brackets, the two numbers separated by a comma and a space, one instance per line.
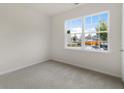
[83, 37]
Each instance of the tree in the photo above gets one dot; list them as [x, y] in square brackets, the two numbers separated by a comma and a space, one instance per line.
[103, 36]
[103, 26]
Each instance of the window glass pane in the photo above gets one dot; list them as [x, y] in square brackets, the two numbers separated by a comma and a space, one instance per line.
[75, 40]
[74, 26]
[88, 20]
[104, 46]
[95, 19]
[104, 17]
[103, 41]
[95, 41]
[95, 28]
[103, 22]
[73, 32]
[88, 40]
[88, 28]
[87, 36]
[91, 28]
[95, 36]
[103, 36]
[103, 26]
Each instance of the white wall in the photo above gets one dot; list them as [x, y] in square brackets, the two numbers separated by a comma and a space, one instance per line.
[122, 41]
[24, 37]
[109, 63]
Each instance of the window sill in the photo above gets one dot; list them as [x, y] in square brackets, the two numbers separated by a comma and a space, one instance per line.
[73, 48]
[86, 50]
[96, 51]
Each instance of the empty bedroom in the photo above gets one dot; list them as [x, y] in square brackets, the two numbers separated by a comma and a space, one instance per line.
[61, 46]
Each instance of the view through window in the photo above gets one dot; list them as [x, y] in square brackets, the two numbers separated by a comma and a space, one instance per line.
[74, 32]
[88, 33]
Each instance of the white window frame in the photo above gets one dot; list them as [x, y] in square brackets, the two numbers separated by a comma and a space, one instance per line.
[83, 35]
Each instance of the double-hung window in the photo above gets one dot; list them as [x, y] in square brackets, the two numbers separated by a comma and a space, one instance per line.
[88, 32]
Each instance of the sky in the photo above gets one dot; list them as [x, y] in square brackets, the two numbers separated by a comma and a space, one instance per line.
[75, 25]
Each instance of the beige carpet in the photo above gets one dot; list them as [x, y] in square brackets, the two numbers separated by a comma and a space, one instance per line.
[57, 75]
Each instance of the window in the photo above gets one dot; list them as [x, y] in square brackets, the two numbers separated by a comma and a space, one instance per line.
[73, 33]
[88, 33]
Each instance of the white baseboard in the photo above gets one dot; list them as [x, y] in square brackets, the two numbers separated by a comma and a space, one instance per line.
[24, 66]
[55, 59]
[92, 69]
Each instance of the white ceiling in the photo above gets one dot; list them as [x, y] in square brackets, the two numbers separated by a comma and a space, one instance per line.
[54, 8]
[47, 8]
